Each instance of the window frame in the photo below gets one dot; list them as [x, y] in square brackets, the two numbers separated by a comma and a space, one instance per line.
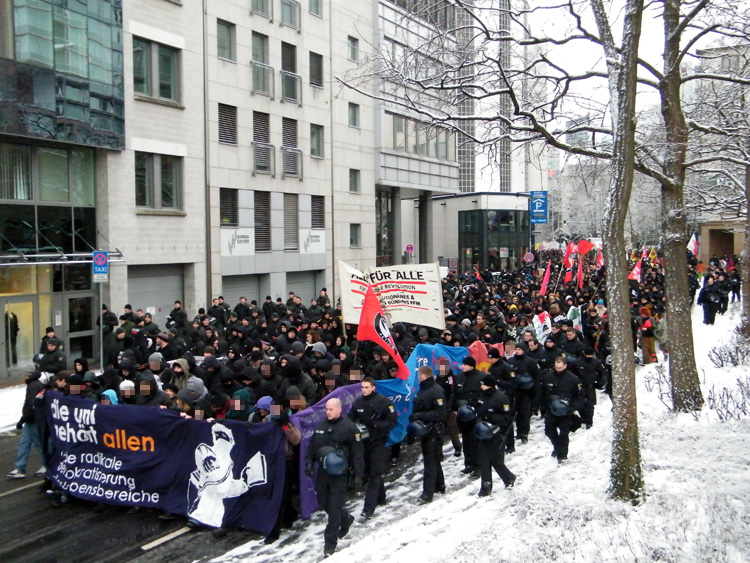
[232, 30]
[154, 177]
[316, 81]
[355, 176]
[295, 10]
[291, 222]
[353, 115]
[226, 115]
[355, 235]
[317, 148]
[314, 5]
[262, 215]
[229, 202]
[352, 48]
[153, 65]
[317, 212]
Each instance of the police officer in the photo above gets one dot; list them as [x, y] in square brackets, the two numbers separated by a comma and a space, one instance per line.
[593, 376]
[494, 410]
[562, 393]
[337, 448]
[466, 389]
[526, 374]
[431, 409]
[377, 414]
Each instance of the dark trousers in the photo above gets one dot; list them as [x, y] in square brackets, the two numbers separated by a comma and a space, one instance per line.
[287, 513]
[471, 459]
[557, 429]
[432, 454]
[492, 456]
[709, 312]
[589, 400]
[452, 428]
[375, 459]
[331, 498]
[523, 414]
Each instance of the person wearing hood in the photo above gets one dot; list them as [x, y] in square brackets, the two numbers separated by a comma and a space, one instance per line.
[292, 374]
[214, 372]
[270, 381]
[240, 405]
[149, 394]
[261, 411]
[108, 397]
[27, 425]
[185, 380]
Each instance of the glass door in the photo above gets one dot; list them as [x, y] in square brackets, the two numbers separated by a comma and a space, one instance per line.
[18, 335]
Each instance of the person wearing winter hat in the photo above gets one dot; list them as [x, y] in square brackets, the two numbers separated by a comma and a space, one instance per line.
[262, 410]
[127, 392]
[108, 397]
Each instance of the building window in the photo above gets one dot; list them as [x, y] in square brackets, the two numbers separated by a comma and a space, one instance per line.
[291, 222]
[353, 48]
[262, 221]
[355, 235]
[354, 179]
[156, 70]
[291, 155]
[316, 140]
[228, 204]
[318, 212]
[290, 12]
[316, 7]
[262, 7]
[227, 124]
[353, 115]
[316, 70]
[291, 82]
[225, 40]
[263, 151]
[158, 181]
[15, 171]
[262, 73]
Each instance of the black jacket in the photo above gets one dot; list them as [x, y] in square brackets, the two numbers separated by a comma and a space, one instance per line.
[377, 412]
[430, 405]
[33, 388]
[494, 406]
[341, 434]
[564, 385]
[467, 387]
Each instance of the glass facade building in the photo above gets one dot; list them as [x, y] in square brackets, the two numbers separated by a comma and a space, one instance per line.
[492, 238]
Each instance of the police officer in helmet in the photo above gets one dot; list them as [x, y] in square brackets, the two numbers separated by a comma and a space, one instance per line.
[336, 447]
[377, 415]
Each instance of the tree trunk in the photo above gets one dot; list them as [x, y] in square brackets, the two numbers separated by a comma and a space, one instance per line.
[625, 476]
[685, 383]
[745, 259]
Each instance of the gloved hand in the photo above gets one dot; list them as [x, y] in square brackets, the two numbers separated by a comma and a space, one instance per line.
[19, 424]
[310, 470]
[357, 482]
[283, 418]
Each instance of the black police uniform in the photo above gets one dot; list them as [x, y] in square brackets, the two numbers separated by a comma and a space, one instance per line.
[567, 386]
[430, 407]
[524, 365]
[593, 376]
[342, 435]
[493, 406]
[378, 414]
[467, 388]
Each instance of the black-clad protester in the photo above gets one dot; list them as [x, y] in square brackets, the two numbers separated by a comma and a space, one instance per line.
[525, 372]
[336, 446]
[378, 415]
[494, 419]
[562, 394]
[431, 409]
[710, 299]
[593, 376]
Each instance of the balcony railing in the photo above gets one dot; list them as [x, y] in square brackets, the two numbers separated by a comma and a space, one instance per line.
[262, 79]
[291, 87]
[264, 156]
[292, 162]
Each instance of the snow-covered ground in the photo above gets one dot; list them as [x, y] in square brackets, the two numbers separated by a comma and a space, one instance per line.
[697, 475]
[11, 399]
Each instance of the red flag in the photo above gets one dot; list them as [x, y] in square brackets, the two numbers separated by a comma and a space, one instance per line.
[584, 247]
[569, 272]
[545, 281]
[599, 259]
[644, 254]
[580, 269]
[636, 273]
[568, 252]
[478, 351]
[693, 245]
[374, 327]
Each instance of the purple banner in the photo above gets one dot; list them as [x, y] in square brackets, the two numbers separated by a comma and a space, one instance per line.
[306, 421]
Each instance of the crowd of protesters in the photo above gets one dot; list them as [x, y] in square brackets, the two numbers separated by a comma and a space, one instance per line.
[261, 362]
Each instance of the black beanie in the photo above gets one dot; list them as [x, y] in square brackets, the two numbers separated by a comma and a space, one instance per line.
[469, 361]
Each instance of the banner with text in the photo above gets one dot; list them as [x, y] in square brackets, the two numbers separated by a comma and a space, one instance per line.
[408, 293]
[222, 474]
